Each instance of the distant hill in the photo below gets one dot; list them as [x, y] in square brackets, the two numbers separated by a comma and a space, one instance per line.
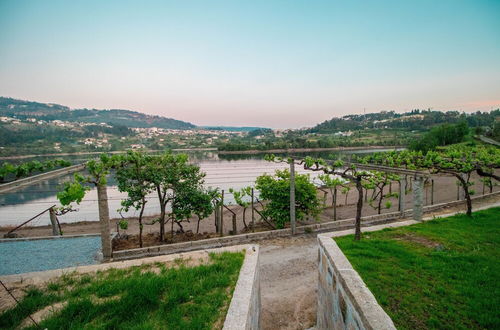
[233, 128]
[413, 120]
[10, 107]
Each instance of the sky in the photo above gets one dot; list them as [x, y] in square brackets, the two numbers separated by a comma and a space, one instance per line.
[280, 64]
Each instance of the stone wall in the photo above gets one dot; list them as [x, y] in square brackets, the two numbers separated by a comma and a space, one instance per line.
[344, 301]
[244, 310]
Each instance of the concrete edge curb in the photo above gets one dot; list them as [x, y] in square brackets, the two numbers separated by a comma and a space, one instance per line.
[242, 312]
[371, 313]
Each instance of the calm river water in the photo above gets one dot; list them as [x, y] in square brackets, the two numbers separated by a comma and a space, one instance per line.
[222, 171]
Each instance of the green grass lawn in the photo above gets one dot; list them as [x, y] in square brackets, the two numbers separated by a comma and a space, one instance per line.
[151, 296]
[441, 274]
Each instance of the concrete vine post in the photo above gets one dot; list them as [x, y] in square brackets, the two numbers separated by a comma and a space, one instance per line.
[53, 222]
[292, 197]
[102, 200]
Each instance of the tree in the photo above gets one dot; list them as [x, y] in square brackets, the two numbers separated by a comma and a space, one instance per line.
[169, 173]
[98, 170]
[333, 183]
[276, 191]
[442, 135]
[191, 200]
[132, 178]
[240, 197]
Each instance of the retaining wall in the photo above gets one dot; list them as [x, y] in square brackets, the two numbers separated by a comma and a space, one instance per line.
[344, 301]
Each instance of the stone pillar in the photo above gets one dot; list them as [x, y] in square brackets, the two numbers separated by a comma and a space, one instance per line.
[53, 222]
[402, 195]
[418, 189]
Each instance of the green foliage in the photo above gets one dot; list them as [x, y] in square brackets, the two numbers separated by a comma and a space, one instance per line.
[123, 224]
[150, 296]
[240, 196]
[73, 191]
[276, 190]
[15, 172]
[442, 135]
[448, 264]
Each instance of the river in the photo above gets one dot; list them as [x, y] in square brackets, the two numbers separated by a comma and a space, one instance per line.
[222, 171]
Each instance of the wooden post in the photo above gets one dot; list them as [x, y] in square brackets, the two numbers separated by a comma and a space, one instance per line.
[222, 214]
[53, 222]
[432, 191]
[292, 196]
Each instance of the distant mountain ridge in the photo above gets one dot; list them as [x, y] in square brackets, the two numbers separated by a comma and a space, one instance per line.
[21, 109]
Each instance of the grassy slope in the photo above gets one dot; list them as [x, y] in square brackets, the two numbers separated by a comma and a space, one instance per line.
[135, 298]
[439, 274]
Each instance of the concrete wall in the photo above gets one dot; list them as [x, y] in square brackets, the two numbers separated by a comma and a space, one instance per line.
[344, 301]
[244, 310]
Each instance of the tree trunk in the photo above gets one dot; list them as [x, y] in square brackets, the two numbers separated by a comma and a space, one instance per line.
[346, 195]
[359, 208]
[162, 214]
[468, 200]
[140, 221]
[335, 204]
[102, 201]
[198, 225]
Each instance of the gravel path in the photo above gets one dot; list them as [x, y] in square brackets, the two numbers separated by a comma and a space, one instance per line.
[288, 282]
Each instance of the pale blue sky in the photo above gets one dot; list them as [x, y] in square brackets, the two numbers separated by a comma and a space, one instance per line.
[268, 63]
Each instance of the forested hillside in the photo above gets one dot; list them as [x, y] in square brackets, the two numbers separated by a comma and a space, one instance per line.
[44, 111]
[413, 120]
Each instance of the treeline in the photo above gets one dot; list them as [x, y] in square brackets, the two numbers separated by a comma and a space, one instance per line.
[413, 120]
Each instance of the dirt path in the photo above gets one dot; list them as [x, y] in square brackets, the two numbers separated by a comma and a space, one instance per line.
[288, 282]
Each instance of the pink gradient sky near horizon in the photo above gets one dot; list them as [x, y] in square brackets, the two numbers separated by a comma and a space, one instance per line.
[266, 63]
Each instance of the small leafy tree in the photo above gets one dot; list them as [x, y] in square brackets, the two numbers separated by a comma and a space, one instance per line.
[192, 200]
[334, 184]
[276, 190]
[132, 178]
[240, 197]
[378, 181]
[169, 173]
